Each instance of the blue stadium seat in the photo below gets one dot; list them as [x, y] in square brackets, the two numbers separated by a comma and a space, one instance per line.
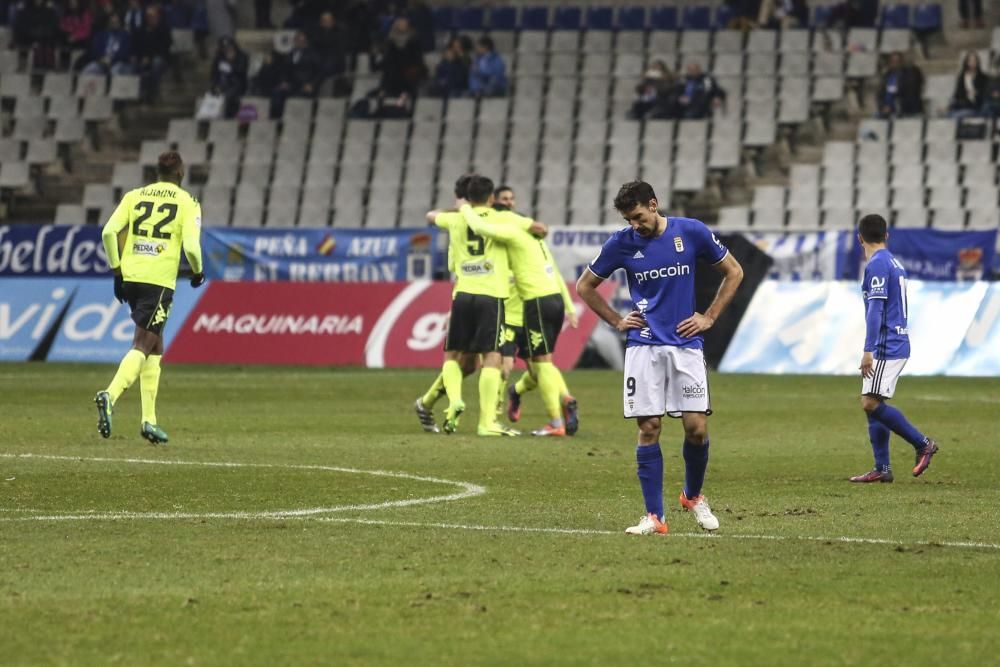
[470, 18]
[444, 19]
[723, 15]
[821, 15]
[633, 17]
[503, 18]
[927, 17]
[567, 18]
[535, 18]
[698, 17]
[896, 16]
[599, 18]
[663, 18]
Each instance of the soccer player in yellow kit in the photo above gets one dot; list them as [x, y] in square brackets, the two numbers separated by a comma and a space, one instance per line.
[157, 220]
[516, 341]
[476, 322]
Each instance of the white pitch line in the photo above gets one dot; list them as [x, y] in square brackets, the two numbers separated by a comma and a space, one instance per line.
[709, 536]
[468, 491]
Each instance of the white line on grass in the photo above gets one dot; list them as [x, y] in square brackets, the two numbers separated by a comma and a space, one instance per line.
[468, 491]
[709, 536]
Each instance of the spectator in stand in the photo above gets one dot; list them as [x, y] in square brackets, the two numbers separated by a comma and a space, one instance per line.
[305, 13]
[330, 43]
[854, 14]
[784, 14]
[653, 95]
[298, 75]
[151, 57]
[970, 88]
[36, 29]
[135, 17]
[451, 76]
[488, 74]
[744, 13]
[971, 12]
[76, 26]
[991, 96]
[901, 92]
[697, 94]
[111, 50]
[401, 61]
[229, 74]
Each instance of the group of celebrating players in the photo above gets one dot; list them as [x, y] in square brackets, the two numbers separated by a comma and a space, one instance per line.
[510, 299]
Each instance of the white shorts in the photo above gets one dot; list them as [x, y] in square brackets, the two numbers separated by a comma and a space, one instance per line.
[663, 379]
[885, 373]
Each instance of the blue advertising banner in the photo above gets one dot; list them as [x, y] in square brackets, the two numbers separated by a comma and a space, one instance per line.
[819, 327]
[52, 250]
[318, 255]
[73, 319]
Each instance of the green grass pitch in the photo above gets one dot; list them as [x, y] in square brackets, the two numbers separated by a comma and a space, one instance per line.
[149, 563]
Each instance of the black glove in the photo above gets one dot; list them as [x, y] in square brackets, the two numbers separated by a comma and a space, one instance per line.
[197, 280]
[119, 289]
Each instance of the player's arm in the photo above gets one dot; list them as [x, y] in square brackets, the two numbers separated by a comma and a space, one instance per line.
[732, 276]
[109, 234]
[191, 239]
[587, 286]
[563, 290]
[876, 280]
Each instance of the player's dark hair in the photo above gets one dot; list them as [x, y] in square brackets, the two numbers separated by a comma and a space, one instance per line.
[632, 194]
[462, 186]
[170, 167]
[873, 228]
[501, 189]
[480, 188]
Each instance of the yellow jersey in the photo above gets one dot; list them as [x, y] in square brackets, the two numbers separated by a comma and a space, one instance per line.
[478, 260]
[159, 220]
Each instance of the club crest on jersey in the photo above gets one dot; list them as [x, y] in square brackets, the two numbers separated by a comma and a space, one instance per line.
[678, 244]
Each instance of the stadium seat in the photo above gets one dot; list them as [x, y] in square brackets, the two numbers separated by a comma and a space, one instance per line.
[910, 218]
[927, 17]
[503, 18]
[89, 85]
[567, 18]
[149, 152]
[632, 17]
[803, 219]
[733, 218]
[15, 85]
[821, 15]
[69, 130]
[984, 219]
[70, 214]
[723, 15]
[792, 41]
[535, 18]
[469, 19]
[948, 218]
[895, 40]
[127, 175]
[861, 64]
[696, 17]
[124, 87]
[41, 151]
[664, 18]
[895, 16]
[57, 84]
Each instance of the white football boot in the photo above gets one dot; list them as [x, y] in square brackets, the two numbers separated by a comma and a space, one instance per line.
[648, 525]
[702, 512]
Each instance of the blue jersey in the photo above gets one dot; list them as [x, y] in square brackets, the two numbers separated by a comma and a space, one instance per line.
[660, 274]
[885, 281]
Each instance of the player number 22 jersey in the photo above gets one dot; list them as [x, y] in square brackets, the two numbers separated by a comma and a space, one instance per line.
[159, 219]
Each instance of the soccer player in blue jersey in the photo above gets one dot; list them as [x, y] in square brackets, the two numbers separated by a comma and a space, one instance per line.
[887, 347]
[665, 370]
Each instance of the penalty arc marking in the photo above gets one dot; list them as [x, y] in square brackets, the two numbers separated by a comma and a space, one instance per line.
[465, 490]
[468, 490]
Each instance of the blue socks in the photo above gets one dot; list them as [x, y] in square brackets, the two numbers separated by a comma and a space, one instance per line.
[879, 434]
[897, 423]
[650, 472]
[695, 463]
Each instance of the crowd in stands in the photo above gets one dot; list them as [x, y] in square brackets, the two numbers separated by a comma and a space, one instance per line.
[101, 36]
[976, 92]
[661, 95]
[467, 70]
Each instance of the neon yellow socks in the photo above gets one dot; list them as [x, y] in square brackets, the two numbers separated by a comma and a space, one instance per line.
[549, 382]
[434, 393]
[149, 383]
[451, 376]
[490, 381]
[526, 383]
[128, 372]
